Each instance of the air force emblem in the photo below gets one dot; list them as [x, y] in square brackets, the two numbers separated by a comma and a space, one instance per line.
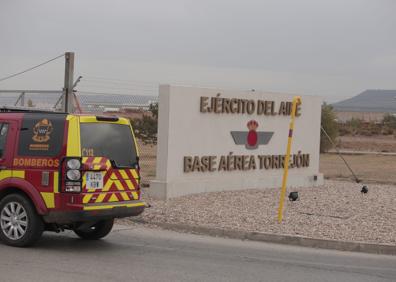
[252, 138]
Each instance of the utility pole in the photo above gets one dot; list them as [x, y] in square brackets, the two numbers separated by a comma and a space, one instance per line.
[67, 101]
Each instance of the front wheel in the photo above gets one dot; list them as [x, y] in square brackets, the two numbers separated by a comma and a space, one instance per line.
[96, 231]
[20, 225]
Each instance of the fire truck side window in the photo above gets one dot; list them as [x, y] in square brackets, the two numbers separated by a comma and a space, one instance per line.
[41, 135]
[3, 137]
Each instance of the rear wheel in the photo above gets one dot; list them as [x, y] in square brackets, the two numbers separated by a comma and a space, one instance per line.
[20, 225]
[96, 231]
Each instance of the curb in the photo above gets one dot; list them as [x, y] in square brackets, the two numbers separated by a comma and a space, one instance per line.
[383, 249]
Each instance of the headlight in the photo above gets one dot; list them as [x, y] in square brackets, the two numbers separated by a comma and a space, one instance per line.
[73, 164]
[73, 174]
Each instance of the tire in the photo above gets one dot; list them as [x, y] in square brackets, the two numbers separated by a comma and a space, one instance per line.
[20, 225]
[96, 231]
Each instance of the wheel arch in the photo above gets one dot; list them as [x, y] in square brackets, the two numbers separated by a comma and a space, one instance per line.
[16, 186]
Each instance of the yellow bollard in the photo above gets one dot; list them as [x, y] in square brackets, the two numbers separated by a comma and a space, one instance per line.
[296, 102]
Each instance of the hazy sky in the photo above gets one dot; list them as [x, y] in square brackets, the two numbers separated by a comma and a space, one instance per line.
[333, 48]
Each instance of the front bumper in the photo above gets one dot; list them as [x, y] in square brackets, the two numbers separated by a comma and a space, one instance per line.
[93, 212]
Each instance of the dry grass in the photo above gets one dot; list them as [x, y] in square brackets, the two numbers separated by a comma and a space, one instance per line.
[369, 168]
[378, 143]
[148, 158]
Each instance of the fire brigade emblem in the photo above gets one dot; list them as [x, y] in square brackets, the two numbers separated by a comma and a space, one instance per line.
[252, 138]
[42, 131]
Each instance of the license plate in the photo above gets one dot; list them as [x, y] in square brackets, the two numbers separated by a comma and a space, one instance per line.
[94, 180]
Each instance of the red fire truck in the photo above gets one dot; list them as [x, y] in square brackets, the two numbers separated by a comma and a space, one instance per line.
[64, 171]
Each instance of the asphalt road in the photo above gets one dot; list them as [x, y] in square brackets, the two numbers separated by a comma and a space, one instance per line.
[141, 254]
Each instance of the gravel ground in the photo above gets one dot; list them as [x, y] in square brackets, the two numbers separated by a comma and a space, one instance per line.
[335, 211]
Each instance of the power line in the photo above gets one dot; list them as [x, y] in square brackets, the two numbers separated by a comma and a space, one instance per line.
[109, 93]
[32, 68]
[115, 80]
[112, 84]
[134, 89]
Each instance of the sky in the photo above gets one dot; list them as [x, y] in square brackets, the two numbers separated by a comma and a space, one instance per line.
[332, 48]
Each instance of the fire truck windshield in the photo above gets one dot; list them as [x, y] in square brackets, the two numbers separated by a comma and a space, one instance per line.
[113, 141]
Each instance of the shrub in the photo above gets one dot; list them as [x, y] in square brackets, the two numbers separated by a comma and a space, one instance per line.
[146, 127]
[329, 124]
[390, 121]
[354, 125]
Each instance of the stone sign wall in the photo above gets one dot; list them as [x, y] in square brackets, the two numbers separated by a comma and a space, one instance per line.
[219, 140]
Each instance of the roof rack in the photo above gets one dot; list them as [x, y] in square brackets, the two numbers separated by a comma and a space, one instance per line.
[10, 109]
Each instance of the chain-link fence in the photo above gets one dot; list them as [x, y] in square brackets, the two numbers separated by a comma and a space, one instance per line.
[138, 109]
[148, 161]
[35, 99]
[134, 107]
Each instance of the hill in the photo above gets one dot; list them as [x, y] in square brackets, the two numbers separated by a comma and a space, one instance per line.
[382, 101]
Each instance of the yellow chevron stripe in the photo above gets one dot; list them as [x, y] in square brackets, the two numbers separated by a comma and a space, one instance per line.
[113, 198]
[119, 185]
[135, 195]
[123, 174]
[126, 179]
[100, 198]
[125, 196]
[97, 160]
[108, 165]
[130, 184]
[84, 181]
[97, 166]
[134, 173]
[107, 185]
[87, 198]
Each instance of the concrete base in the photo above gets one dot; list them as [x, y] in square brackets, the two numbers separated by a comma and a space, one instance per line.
[165, 190]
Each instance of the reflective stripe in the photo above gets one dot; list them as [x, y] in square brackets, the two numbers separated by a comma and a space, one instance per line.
[100, 198]
[18, 174]
[87, 198]
[5, 174]
[49, 199]
[134, 173]
[125, 196]
[103, 207]
[113, 198]
[118, 183]
[73, 137]
[135, 195]
[11, 173]
[56, 182]
[123, 174]
[97, 160]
